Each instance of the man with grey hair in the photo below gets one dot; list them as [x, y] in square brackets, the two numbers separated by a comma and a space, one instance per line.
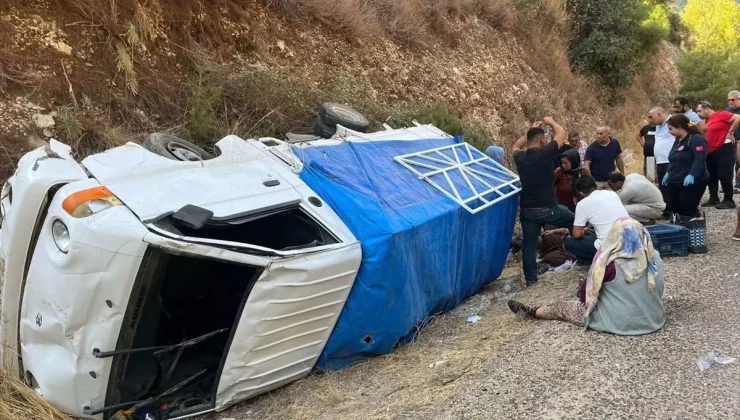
[663, 143]
[733, 105]
[602, 155]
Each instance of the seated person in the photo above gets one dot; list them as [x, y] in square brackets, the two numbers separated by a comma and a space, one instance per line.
[600, 209]
[624, 289]
[552, 250]
[565, 178]
[641, 198]
[496, 153]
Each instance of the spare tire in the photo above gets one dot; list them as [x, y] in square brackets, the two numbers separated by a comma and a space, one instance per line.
[323, 130]
[175, 148]
[335, 114]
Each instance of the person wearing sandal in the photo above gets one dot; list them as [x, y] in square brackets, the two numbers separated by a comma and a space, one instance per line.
[623, 293]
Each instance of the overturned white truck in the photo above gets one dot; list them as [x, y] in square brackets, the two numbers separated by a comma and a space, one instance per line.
[164, 276]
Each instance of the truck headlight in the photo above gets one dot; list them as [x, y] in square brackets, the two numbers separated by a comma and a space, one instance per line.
[60, 234]
[88, 202]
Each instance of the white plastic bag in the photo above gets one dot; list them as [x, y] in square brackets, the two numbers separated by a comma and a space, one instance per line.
[565, 267]
[707, 362]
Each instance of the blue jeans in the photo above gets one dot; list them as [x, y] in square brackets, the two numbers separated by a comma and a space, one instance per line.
[532, 221]
[737, 165]
[582, 248]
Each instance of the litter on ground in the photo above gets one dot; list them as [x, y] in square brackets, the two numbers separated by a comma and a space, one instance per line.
[707, 362]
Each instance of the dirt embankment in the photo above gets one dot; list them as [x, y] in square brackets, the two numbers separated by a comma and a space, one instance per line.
[107, 76]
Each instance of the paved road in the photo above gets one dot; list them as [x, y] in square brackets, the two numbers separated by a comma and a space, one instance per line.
[558, 371]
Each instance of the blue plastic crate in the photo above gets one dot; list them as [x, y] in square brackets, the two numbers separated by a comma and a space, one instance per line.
[670, 239]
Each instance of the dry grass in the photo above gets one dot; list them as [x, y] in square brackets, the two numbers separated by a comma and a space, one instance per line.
[443, 363]
[19, 402]
[408, 22]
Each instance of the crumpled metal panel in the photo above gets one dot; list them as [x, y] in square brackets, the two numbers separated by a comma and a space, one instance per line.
[286, 322]
[37, 172]
[75, 302]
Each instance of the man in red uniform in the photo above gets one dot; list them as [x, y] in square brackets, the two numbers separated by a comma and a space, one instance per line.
[718, 128]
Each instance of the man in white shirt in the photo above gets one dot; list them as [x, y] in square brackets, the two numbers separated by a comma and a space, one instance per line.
[663, 143]
[600, 209]
[641, 198]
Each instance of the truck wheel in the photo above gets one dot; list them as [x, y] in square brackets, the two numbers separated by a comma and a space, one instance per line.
[333, 113]
[321, 129]
[175, 148]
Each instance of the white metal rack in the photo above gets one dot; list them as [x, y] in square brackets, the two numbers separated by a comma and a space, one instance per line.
[495, 182]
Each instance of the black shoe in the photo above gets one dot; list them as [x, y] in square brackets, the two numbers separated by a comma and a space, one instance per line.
[711, 202]
[725, 205]
[544, 268]
[521, 309]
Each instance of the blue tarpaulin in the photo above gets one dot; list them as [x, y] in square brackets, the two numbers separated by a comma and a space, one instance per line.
[422, 253]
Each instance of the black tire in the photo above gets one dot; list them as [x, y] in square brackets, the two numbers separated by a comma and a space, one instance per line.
[321, 129]
[175, 148]
[333, 113]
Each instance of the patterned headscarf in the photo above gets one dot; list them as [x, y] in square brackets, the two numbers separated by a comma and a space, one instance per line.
[629, 246]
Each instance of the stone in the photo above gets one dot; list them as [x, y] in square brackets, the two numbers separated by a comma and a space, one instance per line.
[33, 106]
[5, 18]
[43, 121]
[48, 133]
[281, 44]
[475, 97]
[63, 48]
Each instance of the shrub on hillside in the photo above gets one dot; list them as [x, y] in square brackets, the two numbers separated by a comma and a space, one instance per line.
[612, 38]
[708, 76]
[711, 67]
[447, 120]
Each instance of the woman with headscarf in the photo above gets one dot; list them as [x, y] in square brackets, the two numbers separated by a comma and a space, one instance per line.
[687, 174]
[623, 291]
[565, 178]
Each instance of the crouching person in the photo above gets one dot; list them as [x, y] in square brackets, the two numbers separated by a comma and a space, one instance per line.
[641, 198]
[623, 293]
[600, 209]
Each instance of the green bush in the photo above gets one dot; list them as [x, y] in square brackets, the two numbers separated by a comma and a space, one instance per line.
[204, 101]
[709, 76]
[450, 122]
[613, 37]
[678, 31]
[711, 66]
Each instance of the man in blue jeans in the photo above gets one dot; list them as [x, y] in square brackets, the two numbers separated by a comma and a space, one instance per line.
[533, 157]
[733, 105]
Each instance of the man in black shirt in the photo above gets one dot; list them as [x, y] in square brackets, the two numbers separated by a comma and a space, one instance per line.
[533, 157]
[646, 138]
[603, 156]
[733, 102]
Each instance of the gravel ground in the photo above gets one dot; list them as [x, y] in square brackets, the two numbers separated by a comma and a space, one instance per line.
[562, 372]
[508, 367]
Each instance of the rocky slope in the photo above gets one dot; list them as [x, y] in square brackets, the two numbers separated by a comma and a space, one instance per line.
[103, 87]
